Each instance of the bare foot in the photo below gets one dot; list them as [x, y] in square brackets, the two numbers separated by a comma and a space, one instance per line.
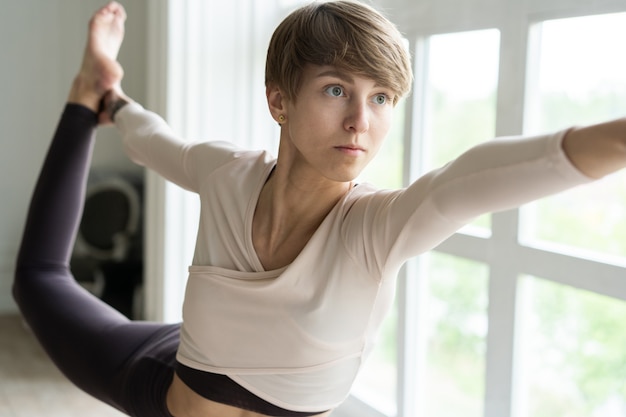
[100, 71]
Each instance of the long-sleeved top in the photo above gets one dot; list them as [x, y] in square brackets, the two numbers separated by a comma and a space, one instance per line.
[297, 336]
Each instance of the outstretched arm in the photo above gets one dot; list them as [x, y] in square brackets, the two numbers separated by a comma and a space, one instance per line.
[597, 150]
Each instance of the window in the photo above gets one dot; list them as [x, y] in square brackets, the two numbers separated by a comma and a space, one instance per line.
[578, 82]
[571, 352]
[569, 335]
[456, 336]
[461, 75]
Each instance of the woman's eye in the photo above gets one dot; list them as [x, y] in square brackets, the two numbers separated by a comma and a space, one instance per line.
[335, 91]
[381, 99]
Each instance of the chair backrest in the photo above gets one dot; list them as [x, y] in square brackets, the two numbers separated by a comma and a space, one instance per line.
[110, 219]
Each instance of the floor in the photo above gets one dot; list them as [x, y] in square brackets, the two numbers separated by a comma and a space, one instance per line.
[31, 386]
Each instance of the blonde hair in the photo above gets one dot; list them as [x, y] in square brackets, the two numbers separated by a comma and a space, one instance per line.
[348, 35]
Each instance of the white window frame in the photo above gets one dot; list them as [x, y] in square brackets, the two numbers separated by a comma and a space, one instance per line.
[172, 26]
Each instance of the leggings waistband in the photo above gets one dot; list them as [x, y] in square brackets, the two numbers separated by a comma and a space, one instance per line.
[222, 389]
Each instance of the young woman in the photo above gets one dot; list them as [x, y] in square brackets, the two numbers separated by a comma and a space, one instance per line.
[295, 263]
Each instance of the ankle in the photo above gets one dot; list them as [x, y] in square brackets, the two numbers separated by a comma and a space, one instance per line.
[83, 93]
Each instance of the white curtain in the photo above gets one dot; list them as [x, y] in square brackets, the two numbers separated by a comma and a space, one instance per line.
[206, 62]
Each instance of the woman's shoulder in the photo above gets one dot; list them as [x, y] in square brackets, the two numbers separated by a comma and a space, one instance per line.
[221, 152]
[367, 192]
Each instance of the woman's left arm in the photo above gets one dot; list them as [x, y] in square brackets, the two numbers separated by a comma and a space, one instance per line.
[495, 175]
[597, 150]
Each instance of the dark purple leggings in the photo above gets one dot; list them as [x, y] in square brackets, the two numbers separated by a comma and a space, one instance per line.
[127, 364]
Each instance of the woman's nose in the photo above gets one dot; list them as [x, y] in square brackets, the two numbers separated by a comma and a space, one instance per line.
[357, 119]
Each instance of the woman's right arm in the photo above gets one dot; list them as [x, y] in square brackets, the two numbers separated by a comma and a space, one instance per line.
[149, 141]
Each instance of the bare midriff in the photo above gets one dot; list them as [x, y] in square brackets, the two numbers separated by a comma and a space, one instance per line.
[182, 401]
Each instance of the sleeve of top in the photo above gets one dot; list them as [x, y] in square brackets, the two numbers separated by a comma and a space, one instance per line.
[149, 141]
[497, 175]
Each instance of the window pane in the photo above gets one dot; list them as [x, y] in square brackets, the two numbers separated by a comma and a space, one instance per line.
[457, 311]
[460, 100]
[572, 352]
[579, 80]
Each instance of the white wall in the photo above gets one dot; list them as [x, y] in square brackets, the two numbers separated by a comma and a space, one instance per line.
[41, 44]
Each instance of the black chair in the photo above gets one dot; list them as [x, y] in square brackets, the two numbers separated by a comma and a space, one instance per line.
[107, 257]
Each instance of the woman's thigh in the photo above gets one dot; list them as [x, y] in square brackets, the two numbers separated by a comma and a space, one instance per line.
[94, 345]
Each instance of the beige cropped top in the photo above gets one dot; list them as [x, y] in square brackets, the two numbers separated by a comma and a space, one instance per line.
[298, 336]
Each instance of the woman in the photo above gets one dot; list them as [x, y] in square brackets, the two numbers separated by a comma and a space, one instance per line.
[295, 264]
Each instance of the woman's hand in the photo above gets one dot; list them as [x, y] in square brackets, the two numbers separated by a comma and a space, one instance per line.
[597, 150]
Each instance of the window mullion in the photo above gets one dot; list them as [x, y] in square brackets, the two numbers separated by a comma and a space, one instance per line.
[503, 281]
[502, 314]
[412, 284]
[412, 339]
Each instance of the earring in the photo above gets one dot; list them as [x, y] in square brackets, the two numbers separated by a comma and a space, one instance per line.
[281, 119]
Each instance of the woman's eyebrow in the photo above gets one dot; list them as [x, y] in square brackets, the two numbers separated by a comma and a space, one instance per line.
[342, 75]
[337, 74]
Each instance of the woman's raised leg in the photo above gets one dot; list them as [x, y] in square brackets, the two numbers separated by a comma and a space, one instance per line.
[88, 340]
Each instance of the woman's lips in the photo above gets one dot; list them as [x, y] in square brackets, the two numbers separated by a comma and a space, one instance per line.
[350, 149]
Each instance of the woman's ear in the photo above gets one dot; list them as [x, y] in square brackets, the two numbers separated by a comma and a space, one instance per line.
[276, 103]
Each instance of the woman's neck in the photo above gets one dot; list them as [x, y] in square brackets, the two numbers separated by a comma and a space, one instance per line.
[288, 213]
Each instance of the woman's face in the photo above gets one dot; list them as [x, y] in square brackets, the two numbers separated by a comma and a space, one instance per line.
[337, 124]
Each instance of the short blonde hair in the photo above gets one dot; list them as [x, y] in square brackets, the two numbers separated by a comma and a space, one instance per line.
[348, 35]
